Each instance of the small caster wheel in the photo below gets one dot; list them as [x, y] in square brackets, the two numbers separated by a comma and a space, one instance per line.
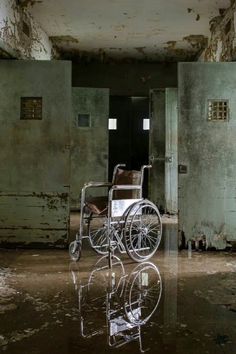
[75, 250]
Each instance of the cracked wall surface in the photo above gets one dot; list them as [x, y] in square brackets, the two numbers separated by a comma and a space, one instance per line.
[20, 35]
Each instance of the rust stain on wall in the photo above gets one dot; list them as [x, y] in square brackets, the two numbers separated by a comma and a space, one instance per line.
[171, 45]
[181, 53]
[197, 41]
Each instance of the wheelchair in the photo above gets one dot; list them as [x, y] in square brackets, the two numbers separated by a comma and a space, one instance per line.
[122, 220]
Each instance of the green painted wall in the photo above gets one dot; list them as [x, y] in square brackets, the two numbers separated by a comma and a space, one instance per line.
[89, 145]
[34, 154]
[207, 192]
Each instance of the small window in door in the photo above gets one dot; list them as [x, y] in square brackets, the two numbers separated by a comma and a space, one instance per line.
[112, 124]
[146, 124]
[218, 110]
[84, 120]
[31, 108]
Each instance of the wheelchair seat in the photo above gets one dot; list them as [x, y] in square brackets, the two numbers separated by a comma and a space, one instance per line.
[96, 205]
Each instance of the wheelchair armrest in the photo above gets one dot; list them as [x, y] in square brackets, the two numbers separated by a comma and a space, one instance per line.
[126, 187]
[97, 184]
[123, 187]
[92, 185]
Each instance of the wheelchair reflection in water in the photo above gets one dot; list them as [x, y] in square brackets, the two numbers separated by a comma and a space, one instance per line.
[117, 304]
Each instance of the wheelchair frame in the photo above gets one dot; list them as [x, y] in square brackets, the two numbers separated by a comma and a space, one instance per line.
[132, 225]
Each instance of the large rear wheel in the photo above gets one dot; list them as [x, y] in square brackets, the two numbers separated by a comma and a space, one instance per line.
[142, 230]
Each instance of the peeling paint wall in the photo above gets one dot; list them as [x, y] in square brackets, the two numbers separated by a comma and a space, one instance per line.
[20, 36]
[118, 30]
[222, 43]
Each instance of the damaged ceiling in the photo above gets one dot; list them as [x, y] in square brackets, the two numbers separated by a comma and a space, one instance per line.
[174, 30]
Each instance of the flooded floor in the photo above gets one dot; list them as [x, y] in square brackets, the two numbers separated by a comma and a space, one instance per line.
[177, 302]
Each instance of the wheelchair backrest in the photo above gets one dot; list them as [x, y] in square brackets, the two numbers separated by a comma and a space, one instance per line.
[123, 177]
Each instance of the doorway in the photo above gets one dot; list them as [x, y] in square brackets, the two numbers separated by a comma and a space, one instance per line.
[129, 134]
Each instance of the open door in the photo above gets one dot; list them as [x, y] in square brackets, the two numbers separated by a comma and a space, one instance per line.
[129, 142]
[163, 178]
[89, 138]
[207, 153]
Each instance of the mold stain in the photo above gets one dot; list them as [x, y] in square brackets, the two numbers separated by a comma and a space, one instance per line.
[197, 17]
[141, 50]
[172, 52]
[61, 40]
[197, 42]
[171, 45]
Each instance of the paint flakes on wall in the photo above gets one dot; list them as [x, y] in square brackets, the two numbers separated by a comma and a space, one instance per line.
[197, 42]
[179, 49]
[222, 46]
[20, 33]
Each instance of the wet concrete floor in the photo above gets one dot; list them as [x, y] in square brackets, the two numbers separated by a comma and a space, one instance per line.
[177, 302]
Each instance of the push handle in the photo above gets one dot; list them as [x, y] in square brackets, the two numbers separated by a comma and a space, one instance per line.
[142, 172]
[115, 170]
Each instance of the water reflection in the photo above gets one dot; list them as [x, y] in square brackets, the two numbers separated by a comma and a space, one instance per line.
[116, 303]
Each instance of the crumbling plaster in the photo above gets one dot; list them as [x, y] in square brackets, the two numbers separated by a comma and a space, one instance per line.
[20, 35]
[115, 30]
[222, 43]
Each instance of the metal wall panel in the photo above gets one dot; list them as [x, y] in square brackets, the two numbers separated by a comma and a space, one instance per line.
[207, 149]
[89, 145]
[34, 154]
